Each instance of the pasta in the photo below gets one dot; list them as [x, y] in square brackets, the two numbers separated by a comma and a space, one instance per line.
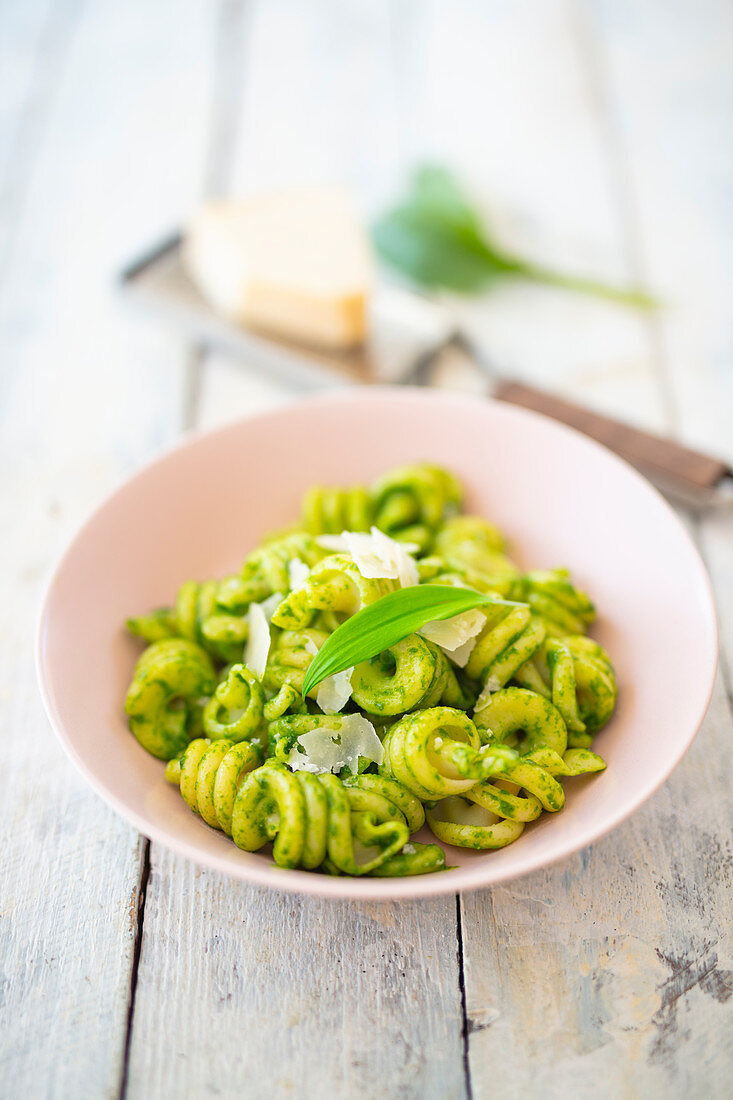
[412, 502]
[164, 701]
[335, 585]
[465, 726]
[328, 511]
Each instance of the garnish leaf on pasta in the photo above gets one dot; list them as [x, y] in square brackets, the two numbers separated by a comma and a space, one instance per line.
[387, 621]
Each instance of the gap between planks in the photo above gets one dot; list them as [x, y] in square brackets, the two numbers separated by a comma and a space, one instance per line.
[465, 1030]
[140, 896]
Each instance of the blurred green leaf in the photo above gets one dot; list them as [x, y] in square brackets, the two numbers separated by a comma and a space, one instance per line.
[438, 240]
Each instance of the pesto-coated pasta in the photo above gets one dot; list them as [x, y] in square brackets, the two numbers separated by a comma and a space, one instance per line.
[209, 774]
[466, 728]
[334, 585]
[236, 709]
[577, 674]
[562, 607]
[312, 819]
[506, 642]
[438, 752]
[413, 501]
[328, 511]
[473, 546]
[165, 699]
[290, 658]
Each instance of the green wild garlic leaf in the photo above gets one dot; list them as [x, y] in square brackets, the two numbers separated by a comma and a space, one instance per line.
[438, 240]
[387, 621]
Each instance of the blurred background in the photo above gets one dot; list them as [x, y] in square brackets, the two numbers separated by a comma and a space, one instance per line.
[596, 134]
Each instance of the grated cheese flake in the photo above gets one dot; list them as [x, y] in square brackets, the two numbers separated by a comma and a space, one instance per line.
[271, 604]
[460, 655]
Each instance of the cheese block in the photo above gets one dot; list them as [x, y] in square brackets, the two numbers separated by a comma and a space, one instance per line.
[295, 264]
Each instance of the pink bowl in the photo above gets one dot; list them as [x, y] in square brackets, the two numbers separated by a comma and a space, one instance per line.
[560, 498]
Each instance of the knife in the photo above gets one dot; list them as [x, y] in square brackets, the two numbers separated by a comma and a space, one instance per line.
[689, 477]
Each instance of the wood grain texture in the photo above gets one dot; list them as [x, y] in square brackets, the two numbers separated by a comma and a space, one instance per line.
[611, 975]
[511, 74]
[669, 100]
[86, 393]
[256, 993]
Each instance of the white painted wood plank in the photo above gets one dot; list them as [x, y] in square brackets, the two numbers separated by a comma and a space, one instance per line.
[317, 100]
[86, 394]
[611, 974]
[249, 992]
[30, 30]
[231, 389]
[671, 103]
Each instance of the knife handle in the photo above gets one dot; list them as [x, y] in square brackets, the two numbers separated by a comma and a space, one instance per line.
[689, 469]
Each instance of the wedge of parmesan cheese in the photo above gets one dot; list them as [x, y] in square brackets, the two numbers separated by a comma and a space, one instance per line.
[326, 750]
[296, 264]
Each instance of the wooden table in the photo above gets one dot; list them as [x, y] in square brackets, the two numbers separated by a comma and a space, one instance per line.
[601, 132]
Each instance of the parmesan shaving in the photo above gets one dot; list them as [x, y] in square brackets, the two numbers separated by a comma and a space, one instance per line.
[271, 604]
[333, 542]
[257, 649]
[457, 635]
[298, 573]
[335, 691]
[460, 655]
[376, 555]
[325, 750]
[492, 684]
